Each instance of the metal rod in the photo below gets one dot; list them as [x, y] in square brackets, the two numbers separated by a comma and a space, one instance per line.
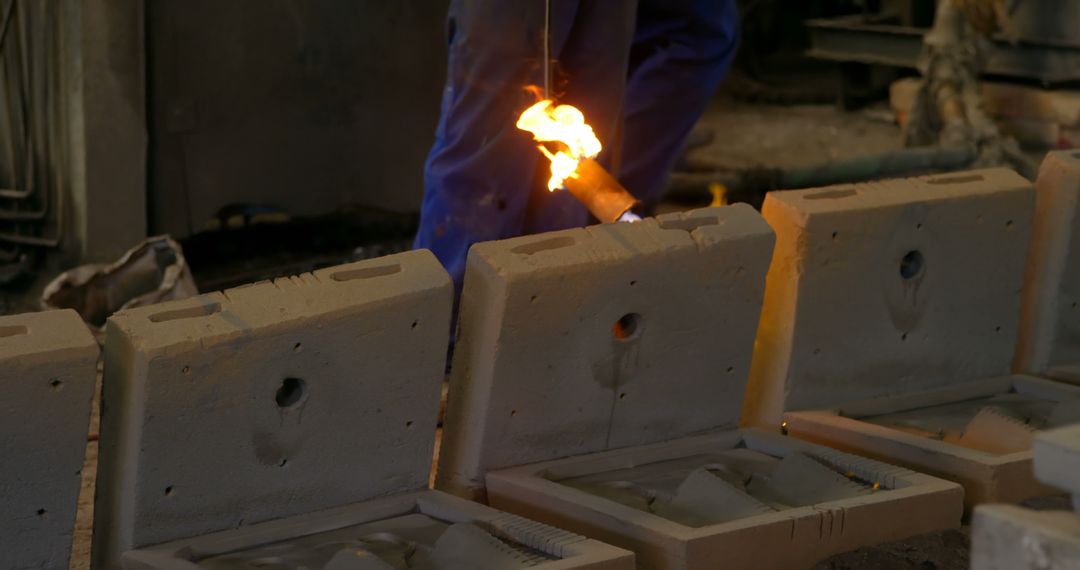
[547, 49]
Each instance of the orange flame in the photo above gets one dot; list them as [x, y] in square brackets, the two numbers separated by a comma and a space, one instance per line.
[563, 124]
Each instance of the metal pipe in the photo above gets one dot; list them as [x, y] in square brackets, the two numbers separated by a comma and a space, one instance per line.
[601, 194]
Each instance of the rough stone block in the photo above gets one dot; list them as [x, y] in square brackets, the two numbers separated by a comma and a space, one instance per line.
[1057, 460]
[270, 400]
[854, 502]
[48, 363]
[569, 340]
[430, 529]
[889, 288]
[1050, 318]
[1005, 537]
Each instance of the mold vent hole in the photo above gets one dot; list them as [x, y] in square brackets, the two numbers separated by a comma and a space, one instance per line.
[366, 273]
[169, 491]
[17, 330]
[830, 194]
[56, 385]
[42, 513]
[188, 313]
[689, 224]
[291, 392]
[627, 327]
[911, 265]
[966, 179]
[544, 245]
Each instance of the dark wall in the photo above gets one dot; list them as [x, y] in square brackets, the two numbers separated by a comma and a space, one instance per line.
[307, 105]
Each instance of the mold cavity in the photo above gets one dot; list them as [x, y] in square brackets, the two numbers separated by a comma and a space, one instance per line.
[965, 179]
[291, 392]
[43, 513]
[414, 325]
[408, 424]
[533, 299]
[903, 337]
[188, 313]
[366, 272]
[17, 330]
[835, 236]
[56, 385]
[633, 283]
[513, 413]
[627, 327]
[730, 369]
[185, 370]
[689, 224]
[297, 347]
[622, 396]
[544, 245]
[830, 194]
[283, 463]
[911, 265]
[169, 491]
[1009, 225]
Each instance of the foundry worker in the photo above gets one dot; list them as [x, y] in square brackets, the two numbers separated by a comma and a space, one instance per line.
[642, 71]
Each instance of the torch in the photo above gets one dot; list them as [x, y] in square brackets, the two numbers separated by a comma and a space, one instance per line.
[571, 145]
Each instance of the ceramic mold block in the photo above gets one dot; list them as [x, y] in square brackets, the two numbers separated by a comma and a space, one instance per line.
[270, 400]
[889, 305]
[1006, 537]
[48, 363]
[1057, 460]
[327, 472]
[569, 341]
[1050, 318]
[553, 392]
[430, 529]
[903, 504]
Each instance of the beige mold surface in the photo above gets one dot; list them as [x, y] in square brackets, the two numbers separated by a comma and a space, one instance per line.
[905, 504]
[1050, 321]
[897, 298]
[592, 339]
[270, 400]
[48, 363]
[1006, 537]
[1004, 475]
[411, 521]
[1057, 460]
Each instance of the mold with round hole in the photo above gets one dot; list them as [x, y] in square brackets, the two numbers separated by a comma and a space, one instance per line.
[291, 393]
[627, 328]
[912, 264]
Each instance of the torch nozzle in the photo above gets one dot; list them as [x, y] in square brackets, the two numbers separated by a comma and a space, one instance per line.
[601, 194]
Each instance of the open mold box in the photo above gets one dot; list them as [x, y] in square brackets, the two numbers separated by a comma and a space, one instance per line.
[745, 498]
[427, 530]
[291, 425]
[589, 364]
[1050, 319]
[889, 324]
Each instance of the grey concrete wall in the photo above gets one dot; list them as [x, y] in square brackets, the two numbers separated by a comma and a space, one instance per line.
[308, 105]
[106, 95]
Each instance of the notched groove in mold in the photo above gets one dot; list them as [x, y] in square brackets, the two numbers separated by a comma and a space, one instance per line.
[544, 245]
[187, 313]
[831, 194]
[366, 273]
[966, 179]
[689, 224]
[14, 330]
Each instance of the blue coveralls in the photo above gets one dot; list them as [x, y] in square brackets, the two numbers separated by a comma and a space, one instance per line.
[642, 71]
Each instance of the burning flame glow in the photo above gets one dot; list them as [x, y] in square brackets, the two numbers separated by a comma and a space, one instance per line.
[565, 124]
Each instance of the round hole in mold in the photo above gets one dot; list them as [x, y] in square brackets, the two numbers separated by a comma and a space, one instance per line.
[1009, 225]
[622, 396]
[43, 513]
[627, 327]
[414, 325]
[409, 424]
[56, 385]
[169, 491]
[513, 413]
[912, 264]
[298, 347]
[185, 370]
[290, 393]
